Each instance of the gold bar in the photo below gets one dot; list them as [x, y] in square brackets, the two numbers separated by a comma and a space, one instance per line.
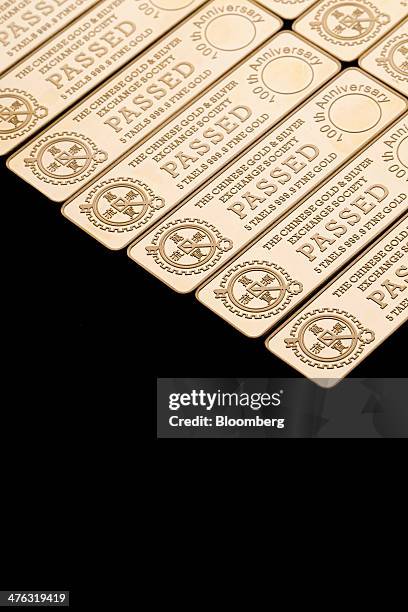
[388, 60]
[268, 181]
[201, 140]
[134, 103]
[287, 9]
[341, 326]
[82, 56]
[313, 242]
[26, 25]
[347, 29]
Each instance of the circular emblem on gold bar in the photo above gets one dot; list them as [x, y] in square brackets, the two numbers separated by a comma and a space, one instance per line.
[328, 338]
[257, 289]
[188, 246]
[121, 205]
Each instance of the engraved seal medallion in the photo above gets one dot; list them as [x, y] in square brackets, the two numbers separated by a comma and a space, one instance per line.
[64, 158]
[121, 205]
[328, 338]
[19, 111]
[394, 57]
[188, 246]
[257, 289]
[349, 23]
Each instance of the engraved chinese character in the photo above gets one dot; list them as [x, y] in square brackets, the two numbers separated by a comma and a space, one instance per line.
[198, 236]
[109, 196]
[73, 164]
[54, 150]
[357, 13]
[315, 329]
[129, 211]
[359, 27]
[130, 196]
[244, 280]
[197, 253]
[245, 299]
[176, 255]
[317, 348]
[74, 149]
[53, 166]
[338, 328]
[267, 279]
[110, 213]
[339, 346]
[14, 120]
[176, 238]
[339, 29]
[266, 297]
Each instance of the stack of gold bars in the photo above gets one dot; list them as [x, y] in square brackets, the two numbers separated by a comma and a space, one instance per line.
[261, 162]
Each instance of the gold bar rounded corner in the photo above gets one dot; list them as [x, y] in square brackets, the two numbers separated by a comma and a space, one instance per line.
[381, 59]
[107, 245]
[245, 332]
[9, 167]
[305, 41]
[334, 25]
[178, 290]
[335, 339]
[287, 11]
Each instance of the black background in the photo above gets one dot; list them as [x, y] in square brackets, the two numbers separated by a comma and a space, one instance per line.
[85, 333]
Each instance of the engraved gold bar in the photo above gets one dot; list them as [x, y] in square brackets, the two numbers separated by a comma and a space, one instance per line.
[24, 26]
[313, 242]
[349, 319]
[136, 101]
[346, 29]
[83, 55]
[268, 181]
[388, 60]
[201, 140]
[287, 9]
